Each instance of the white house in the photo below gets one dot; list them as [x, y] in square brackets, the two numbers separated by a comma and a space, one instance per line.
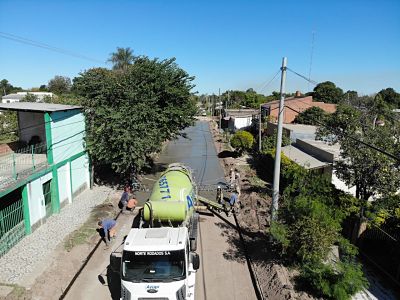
[11, 98]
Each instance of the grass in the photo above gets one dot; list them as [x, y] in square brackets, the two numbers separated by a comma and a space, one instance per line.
[88, 229]
[18, 292]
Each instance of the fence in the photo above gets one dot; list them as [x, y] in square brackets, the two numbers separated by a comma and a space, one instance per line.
[21, 163]
[12, 227]
[381, 247]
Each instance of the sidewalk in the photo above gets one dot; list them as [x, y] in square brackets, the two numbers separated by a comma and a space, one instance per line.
[33, 254]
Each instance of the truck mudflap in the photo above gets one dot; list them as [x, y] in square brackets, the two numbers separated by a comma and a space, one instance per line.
[193, 232]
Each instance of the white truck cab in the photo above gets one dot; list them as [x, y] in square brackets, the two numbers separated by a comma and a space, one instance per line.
[157, 263]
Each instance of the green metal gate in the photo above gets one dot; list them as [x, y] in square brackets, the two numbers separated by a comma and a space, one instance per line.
[12, 228]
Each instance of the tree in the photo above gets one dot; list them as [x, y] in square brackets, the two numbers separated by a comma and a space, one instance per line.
[391, 97]
[327, 92]
[43, 88]
[311, 116]
[59, 85]
[242, 140]
[122, 58]
[7, 88]
[372, 172]
[130, 114]
[268, 143]
[30, 98]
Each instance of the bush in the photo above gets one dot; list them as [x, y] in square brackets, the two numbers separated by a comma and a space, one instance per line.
[242, 140]
[339, 282]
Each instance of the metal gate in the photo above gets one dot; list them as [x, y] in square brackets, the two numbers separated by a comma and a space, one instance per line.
[47, 197]
[12, 228]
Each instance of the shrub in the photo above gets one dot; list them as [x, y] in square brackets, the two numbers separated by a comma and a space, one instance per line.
[339, 282]
[242, 140]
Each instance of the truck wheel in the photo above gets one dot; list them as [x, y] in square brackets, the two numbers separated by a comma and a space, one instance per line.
[193, 245]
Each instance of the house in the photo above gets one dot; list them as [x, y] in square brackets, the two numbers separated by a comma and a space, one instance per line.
[235, 119]
[45, 172]
[294, 131]
[318, 156]
[297, 103]
[11, 98]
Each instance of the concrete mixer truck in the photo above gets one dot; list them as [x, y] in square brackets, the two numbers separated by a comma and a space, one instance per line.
[158, 259]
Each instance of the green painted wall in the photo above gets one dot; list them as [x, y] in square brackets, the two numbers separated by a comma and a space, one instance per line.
[67, 134]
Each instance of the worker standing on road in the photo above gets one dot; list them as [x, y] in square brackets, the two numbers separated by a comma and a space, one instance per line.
[220, 196]
[124, 198]
[109, 228]
[232, 178]
[232, 201]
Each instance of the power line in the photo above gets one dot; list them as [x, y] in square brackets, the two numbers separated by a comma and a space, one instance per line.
[352, 138]
[302, 76]
[265, 85]
[38, 44]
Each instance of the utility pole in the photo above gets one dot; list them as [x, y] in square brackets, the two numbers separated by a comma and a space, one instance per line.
[277, 166]
[259, 130]
[226, 103]
[220, 108]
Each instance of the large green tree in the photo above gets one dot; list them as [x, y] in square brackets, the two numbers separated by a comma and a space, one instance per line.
[371, 171]
[59, 85]
[122, 58]
[129, 114]
[327, 92]
[8, 88]
[391, 97]
[311, 116]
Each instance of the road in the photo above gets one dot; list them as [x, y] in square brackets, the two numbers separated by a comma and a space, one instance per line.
[223, 272]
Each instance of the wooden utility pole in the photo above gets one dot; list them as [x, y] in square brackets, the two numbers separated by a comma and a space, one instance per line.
[277, 166]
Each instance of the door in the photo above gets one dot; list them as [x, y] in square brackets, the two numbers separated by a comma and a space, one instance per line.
[12, 228]
[47, 197]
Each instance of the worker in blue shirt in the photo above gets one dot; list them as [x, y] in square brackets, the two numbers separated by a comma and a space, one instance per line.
[109, 227]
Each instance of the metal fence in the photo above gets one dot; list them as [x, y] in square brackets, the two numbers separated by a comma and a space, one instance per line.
[381, 247]
[22, 162]
[12, 227]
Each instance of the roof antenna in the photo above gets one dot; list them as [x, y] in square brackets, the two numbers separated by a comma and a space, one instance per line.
[311, 58]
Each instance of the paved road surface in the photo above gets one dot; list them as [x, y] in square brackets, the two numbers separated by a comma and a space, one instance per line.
[223, 271]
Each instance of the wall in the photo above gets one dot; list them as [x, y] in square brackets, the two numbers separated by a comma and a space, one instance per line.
[64, 184]
[342, 186]
[67, 133]
[34, 124]
[37, 208]
[241, 122]
[80, 174]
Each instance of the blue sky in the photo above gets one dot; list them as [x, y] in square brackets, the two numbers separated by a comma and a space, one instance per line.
[224, 44]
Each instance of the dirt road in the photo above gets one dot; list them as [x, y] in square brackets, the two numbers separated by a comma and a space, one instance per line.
[223, 271]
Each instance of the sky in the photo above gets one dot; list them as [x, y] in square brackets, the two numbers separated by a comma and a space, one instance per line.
[232, 45]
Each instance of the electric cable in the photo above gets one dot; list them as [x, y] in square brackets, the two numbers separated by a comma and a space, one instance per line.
[38, 44]
[336, 131]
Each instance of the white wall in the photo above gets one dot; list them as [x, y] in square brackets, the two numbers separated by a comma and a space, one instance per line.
[241, 122]
[64, 186]
[342, 186]
[80, 172]
[37, 209]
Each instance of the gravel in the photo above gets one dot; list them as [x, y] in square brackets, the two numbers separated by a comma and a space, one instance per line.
[21, 263]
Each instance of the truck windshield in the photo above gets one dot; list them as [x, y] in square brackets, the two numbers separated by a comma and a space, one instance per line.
[153, 265]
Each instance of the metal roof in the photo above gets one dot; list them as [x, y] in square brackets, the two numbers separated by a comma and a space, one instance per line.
[13, 97]
[37, 106]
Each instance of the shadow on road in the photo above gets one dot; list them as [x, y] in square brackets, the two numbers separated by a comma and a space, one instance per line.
[114, 278]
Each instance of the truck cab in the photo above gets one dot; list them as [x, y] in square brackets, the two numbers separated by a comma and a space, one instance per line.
[157, 263]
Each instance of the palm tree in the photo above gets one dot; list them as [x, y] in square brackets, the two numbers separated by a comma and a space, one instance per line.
[122, 58]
